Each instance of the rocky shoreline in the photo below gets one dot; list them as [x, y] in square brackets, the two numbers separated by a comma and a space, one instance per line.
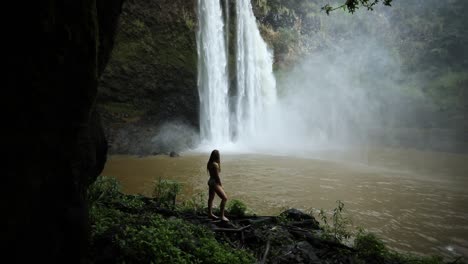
[291, 237]
[121, 224]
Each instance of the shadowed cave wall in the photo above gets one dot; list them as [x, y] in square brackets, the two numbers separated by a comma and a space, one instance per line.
[55, 52]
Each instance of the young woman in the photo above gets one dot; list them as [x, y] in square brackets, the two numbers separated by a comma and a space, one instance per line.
[214, 168]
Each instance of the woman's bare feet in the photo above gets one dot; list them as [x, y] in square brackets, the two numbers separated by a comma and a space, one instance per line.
[212, 216]
[225, 219]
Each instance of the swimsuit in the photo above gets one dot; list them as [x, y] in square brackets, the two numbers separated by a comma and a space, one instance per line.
[212, 181]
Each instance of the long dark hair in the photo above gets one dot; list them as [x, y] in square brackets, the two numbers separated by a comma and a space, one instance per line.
[214, 157]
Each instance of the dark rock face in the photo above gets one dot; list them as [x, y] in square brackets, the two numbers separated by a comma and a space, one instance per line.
[173, 154]
[302, 252]
[53, 136]
[276, 240]
[145, 139]
[152, 74]
[295, 214]
[300, 219]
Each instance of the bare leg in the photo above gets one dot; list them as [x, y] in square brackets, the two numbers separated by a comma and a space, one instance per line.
[211, 196]
[220, 192]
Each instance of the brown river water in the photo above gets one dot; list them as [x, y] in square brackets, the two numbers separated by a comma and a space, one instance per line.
[416, 201]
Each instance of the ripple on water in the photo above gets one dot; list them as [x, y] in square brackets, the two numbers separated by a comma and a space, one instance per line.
[328, 179]
[392, 204]
[428, 238]
[385, 183]
[371, 213]
[455, 250]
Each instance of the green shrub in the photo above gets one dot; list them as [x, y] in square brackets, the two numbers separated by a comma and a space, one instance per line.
[237, 207]
[412, 259]
[369, 247]
[286, 39]
[104, 189]
[132, 201]
[149, 238]
[166, 191]
[337, 227]
[196, 204]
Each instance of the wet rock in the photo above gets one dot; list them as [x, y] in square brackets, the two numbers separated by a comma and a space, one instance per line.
[295, 215]
[302, 252]
[259, 220]
[308, 252]
[173, 154]
[298, 218]
[309, 223]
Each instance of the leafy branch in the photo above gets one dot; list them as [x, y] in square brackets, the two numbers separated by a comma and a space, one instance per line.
[352, 5]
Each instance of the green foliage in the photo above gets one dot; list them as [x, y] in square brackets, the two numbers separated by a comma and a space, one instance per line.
[196, 204]
[282, 218]
[107, 190]
[166, 191]
[131, 48]
[412, 259]
[188, 19]
[104, 189]
[149, 238]
[371, 249]
[237, 207]
[336, 227]
[285, 40]
[352, 5]
[132, 201]
[146, 237]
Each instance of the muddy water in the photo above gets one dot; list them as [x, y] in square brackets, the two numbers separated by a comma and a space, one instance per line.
[416, 201]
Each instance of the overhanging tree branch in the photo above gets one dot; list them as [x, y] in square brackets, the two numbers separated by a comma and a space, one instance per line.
[352, 5]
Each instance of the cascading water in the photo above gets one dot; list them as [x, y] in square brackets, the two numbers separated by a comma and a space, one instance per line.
[212, 74]
[256, 85]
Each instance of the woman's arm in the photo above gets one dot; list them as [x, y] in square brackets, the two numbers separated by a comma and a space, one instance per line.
[216, 173]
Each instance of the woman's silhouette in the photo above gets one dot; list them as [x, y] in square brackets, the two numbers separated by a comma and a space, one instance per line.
[214, 168]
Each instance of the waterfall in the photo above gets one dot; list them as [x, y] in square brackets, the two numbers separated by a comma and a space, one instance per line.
[212, 74]
[255, 83]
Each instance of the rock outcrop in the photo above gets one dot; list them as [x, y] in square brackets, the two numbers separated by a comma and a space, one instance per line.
[52, 135]
[152, 74]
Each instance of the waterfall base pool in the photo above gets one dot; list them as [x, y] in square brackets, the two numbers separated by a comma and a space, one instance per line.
[416, 201]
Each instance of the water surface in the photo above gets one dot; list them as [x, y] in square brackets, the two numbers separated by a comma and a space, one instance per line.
[416, 201]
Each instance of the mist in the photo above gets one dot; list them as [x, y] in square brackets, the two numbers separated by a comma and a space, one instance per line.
[353, 91]
[174, 136]
[378, 78]
[338, 96]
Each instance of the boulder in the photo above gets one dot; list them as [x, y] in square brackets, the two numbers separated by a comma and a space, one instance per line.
[295, 215]
[173, 154]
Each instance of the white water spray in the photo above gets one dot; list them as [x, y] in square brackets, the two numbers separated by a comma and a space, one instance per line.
[256, 85]
[212, 74]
